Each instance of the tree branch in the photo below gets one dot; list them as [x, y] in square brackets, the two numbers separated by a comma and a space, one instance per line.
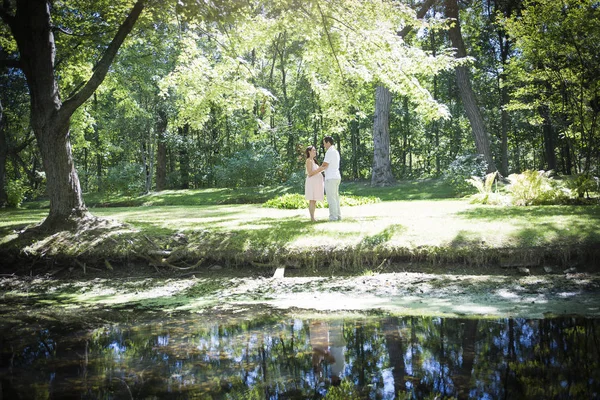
[427, 4]
[101, 69]
[329, 40]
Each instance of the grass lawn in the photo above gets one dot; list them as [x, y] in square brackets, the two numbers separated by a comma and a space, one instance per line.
[414, 221]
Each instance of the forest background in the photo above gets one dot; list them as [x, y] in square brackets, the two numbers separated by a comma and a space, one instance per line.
[228, 94]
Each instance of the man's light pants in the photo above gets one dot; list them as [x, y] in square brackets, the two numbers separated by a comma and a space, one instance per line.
[332, 190]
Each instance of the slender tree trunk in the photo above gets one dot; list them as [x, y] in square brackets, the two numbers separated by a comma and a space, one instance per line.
[184, 158]
[32, 30]
[504, 122]
[291, 137]
[436, 124]
[161, 156]
[355, 143]
[507, 8]
[504, 99]
[549, 138]
[148, 160]
[393, 342]
[98, 144]
[382, 166]
[463, 80]
[3, 158]
[86, 180]
[462, 377]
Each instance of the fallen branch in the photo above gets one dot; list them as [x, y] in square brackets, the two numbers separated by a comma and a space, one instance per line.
[165, 263]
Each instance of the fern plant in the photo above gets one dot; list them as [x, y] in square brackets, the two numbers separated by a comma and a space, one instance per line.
[534, 187]
[485, 189]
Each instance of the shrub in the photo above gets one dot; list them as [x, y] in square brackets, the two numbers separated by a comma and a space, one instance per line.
[462, 169]
[583, 184]
[15, 191]
[294, 201]
[125, 178]
[290, 201]
[248, 167]
[296, 180]
[534, 187]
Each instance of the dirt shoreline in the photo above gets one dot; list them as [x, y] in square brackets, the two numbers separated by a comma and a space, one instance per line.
[456, 292]
[197, 272]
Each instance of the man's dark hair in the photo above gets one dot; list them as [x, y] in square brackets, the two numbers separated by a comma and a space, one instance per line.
[328, 139]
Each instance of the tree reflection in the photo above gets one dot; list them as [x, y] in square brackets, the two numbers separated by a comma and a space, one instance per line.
[376, 358]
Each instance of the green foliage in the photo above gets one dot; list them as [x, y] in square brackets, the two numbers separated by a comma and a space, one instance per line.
[15, 190]
[345, 391]
[534, 188]
[463, 169]
[126, 178]
[290, 201]
[554, 79]
[485, 190]
[583, 184]
[249, 167]
[296, 180]
[294, 201]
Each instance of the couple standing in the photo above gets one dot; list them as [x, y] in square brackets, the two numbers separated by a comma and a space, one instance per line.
[313, 189]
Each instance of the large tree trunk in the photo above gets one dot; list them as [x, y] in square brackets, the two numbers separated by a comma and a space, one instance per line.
[463, 80]
[382, 166]
[3, 158]
[32, 29]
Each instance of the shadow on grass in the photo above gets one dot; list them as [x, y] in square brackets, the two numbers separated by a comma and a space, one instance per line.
[384, 236]
[491, 213]
[532, 244]
[466, 239]
[275, 232]
[15, 220]
[190, 197]
[426, 189]
[540, 225]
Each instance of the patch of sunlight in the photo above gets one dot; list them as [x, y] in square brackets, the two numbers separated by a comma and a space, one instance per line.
[325, 301]
[107, 295]
[473, 308]
[8, 238]
[255, 227]
[197, 305]
[565, 295]
[505, 294]
[534, 300]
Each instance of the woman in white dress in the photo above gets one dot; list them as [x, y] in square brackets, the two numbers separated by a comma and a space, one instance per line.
[314, 187]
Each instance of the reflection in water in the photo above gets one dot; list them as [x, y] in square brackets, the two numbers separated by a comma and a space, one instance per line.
[387, 358]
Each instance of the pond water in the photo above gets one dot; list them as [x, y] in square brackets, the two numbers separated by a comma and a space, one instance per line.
[190, 356]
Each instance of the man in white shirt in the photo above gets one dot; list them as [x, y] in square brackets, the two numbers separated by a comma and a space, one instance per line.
[331, 164]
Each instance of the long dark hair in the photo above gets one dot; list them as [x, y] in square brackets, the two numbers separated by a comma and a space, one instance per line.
[308, 149]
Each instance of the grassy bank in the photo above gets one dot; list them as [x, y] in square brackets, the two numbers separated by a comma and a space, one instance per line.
[416, 222]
